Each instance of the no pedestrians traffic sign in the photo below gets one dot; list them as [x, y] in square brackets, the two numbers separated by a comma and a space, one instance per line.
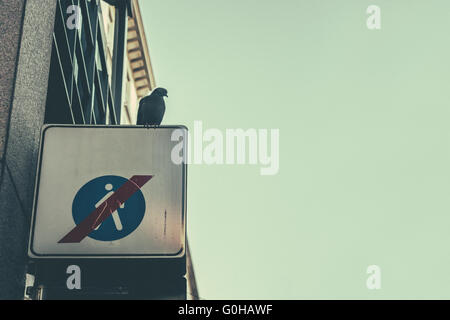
[109, 191]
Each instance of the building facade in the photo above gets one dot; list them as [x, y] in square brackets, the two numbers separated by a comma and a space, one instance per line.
[62, 62]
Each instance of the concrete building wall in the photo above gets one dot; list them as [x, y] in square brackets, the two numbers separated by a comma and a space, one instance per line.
[11, 13]
[22, 115]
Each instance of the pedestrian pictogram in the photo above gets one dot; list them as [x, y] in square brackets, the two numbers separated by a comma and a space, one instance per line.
[107, 208]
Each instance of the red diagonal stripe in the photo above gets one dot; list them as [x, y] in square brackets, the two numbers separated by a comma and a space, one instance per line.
[105, 209]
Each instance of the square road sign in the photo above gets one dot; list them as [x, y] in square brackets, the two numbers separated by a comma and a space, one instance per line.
[110, 191]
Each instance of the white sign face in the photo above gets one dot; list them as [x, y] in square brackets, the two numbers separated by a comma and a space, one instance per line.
[108, 191]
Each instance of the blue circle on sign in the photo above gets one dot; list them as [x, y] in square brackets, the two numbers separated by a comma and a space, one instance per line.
[120, 223]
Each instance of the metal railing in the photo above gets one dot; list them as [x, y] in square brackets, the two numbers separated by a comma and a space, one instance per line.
[79, 88]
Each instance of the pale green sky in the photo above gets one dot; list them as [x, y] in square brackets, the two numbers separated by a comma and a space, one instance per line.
[364, 143]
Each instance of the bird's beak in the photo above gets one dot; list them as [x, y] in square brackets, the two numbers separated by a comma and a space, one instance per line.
[166, 95]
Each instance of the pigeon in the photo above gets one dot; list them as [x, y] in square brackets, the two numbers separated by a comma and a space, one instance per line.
[152, 108]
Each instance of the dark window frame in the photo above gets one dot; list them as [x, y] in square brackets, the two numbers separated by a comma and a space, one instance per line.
[79, 88]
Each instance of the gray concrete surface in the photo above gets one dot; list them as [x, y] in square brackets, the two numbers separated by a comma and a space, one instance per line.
[21, 124]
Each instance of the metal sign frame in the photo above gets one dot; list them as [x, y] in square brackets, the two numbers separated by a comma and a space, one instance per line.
[33, 255]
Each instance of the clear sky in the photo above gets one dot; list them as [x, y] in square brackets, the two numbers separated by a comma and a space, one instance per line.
[364, 143]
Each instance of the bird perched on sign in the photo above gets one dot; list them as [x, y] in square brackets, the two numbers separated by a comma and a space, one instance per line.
[152, 108]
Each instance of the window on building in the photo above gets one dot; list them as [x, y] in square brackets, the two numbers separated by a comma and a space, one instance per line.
[80, 89]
